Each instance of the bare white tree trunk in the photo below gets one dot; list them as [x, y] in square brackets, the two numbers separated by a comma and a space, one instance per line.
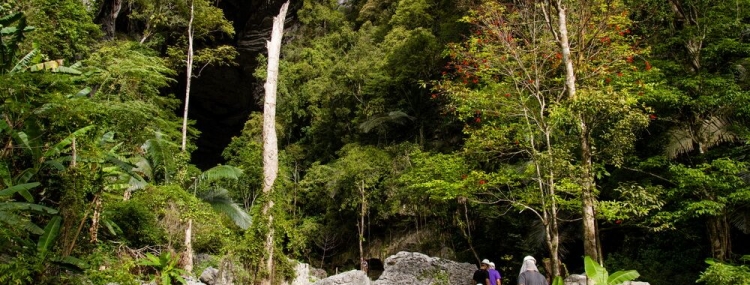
[591, 246]
[189, 78]
[270, 142]
[188, 258]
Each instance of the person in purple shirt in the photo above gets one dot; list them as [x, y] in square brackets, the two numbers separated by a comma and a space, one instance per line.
[494, 275]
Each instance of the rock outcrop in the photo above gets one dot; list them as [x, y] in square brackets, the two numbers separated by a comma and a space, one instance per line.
[306, 275]
[413, 268]
[353, 277]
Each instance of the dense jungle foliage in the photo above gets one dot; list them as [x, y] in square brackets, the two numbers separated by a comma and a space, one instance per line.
[448, 127]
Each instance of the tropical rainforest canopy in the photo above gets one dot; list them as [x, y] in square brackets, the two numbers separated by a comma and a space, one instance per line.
[466, 129]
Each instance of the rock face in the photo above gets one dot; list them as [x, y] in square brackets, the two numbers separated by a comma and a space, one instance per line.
[579, 279]
[353, 277]
[412, 268]
[306, 275]
[209, 276]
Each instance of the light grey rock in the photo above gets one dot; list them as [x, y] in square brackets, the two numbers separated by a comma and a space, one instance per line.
[413, 268]
[209, 276]
[575, 279]
[306, 275]
[193, 281]
[353, 277]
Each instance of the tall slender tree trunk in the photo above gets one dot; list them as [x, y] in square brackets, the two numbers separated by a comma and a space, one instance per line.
[550, 216]
[189, 77]
[270, 142]
[588, 198]
[362, 211]
[188, 257]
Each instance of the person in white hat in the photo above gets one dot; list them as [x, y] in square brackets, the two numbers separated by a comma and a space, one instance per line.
[529, 274]
[481, 276]
[494, 275]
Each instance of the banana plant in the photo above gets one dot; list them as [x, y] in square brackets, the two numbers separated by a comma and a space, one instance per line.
[13, 30]
[598, 275]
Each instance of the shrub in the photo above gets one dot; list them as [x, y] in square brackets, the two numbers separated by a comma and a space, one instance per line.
[719, 273]
[136, 222]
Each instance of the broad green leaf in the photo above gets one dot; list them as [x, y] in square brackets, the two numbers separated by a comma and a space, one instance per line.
[22, 189]
[75, 263]
[110, 227]
[26, 175]
[17, 221]
[221, 202]
[220, 172]
[50, 234]
[620, 277]
[20, 206]
[84, 92]
[595, 272]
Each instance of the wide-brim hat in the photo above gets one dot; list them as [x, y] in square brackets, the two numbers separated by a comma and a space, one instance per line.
[486, 261]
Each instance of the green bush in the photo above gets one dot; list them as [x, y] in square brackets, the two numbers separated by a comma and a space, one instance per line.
[719, 273]
[136, 222]
[108, 267]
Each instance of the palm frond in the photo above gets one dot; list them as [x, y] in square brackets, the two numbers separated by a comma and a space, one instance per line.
[221, 202]
[715, 130]
[680, 141]
[706, 133]
[220, 172]
[398, 117]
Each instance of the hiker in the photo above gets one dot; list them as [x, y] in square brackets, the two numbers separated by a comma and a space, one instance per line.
[529, 274]
[482, 276]
[494, 275]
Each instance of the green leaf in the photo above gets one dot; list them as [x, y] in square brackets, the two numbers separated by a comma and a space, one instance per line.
[17, 221]
[595, 272]
[50, 234]
[221, 202]
[620, 277]
[20, 206]
[56, 164]
[22, 189]
[220, 172]
[558, 281]
[69, 261]
[5, 175]
[26, 175]
[84, 92]
[24, 61]
[110, 227]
